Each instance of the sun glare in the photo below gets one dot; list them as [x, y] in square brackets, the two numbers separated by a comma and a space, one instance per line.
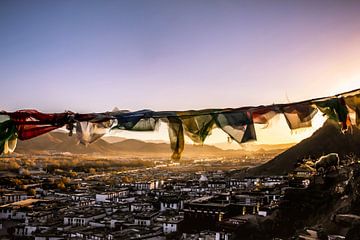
[347, 85]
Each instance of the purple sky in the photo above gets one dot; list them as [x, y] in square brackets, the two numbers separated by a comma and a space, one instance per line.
[174, 55]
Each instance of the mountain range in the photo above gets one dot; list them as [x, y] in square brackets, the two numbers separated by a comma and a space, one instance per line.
[61, 142]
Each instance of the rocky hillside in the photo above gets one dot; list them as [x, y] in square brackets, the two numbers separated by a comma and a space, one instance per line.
[325, 140]
[330, 207]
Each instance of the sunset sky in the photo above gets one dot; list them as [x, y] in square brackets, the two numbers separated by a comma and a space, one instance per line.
[91, 56]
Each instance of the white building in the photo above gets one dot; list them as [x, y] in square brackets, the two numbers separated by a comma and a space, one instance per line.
[171, 203]
[145, 218]
[26, 231]
[222, 236]
[217, 184]
[144, 185]
[14, 197]
[12, 213]
[48, 238]
[240, 184]
[141, 207]
[111, 196]
[83, 217]
[19, 210]
[172, 225]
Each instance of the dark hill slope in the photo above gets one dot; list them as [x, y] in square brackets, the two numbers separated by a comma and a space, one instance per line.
[325, 140]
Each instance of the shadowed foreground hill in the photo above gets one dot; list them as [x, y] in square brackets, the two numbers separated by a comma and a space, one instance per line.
[325, 140]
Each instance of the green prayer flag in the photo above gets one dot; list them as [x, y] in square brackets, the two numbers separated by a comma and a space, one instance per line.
[8, 136]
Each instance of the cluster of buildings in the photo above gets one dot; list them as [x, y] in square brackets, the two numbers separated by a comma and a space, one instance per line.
[151, 204]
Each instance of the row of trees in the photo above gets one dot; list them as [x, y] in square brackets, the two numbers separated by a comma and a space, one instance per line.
[76, 164]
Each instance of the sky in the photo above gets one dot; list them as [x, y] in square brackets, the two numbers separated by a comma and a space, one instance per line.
[91, 56]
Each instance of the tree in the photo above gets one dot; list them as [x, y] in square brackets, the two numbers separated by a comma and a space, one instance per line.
[72, 173]
[65, 180]
[61, 186]
[92, 170]
[74, 187]
[14, 165]
[32, 192]
[18, 182]
[125, 179]
[25, 172]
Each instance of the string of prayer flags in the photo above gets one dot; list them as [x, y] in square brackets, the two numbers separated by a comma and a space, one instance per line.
[299, 115]
[335, 108]
[89, 132]
[238, 123]
[136, 121]
[353, 102]
[176, 135]
[197, 127]
[8, 136]
[262, 114]
[31, 123]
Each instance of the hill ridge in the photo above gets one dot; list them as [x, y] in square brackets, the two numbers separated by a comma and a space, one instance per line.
[326, 139]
